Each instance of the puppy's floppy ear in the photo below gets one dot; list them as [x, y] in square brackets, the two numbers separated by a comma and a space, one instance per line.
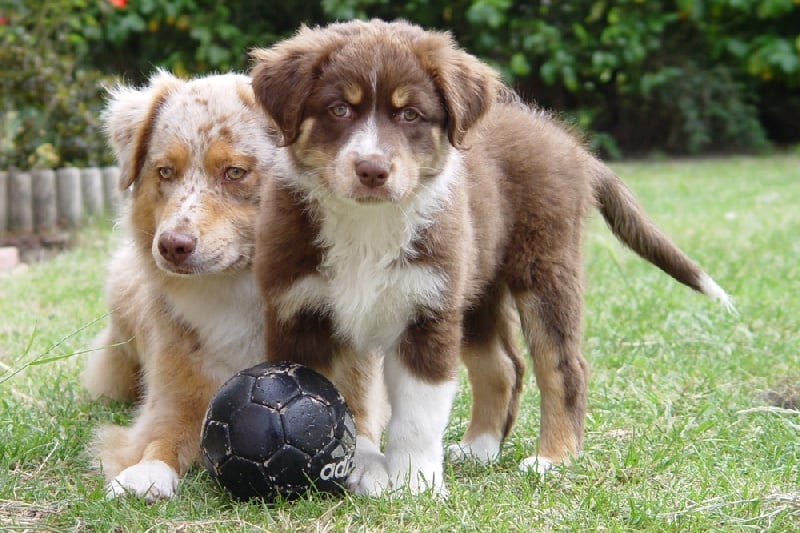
[284, 75]
[467, 85]
[129, 117]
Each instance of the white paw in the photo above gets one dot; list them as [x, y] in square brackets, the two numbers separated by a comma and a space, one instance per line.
[483, 448]
[540, 465]
[417, 474]
[369, 476]
[417, 482]
[148, 479]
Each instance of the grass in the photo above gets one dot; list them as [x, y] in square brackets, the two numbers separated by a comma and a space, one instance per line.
[693, 422]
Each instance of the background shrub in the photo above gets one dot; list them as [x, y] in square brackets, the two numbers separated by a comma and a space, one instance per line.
[678, 76]
[191, 36]
[49, 99]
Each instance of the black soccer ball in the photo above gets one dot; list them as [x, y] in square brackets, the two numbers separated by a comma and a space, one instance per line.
[278, 429]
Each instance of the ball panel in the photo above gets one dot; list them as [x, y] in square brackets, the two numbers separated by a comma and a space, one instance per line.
[261, 369]
[256, 432]
[344, 427]
[315, 384]
[308, 424]
[245, 479]
[288, 471]
[275, 390]
[234, 394]
[347, 424]
[215, 442]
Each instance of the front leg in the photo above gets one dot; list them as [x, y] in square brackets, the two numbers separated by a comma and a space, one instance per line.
[147, 458]
[420, 411]
[421, 384]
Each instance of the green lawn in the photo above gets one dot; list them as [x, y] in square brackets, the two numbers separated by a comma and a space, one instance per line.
[683, 432]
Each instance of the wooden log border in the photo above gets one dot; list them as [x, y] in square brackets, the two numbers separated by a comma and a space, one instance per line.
[47, 200]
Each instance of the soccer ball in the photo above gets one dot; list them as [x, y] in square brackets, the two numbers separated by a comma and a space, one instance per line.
[278, 429]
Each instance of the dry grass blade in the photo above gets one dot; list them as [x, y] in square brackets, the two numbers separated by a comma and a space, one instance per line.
[25, 516]
[773, 505]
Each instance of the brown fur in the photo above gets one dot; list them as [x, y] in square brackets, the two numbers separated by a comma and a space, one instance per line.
[506, 234]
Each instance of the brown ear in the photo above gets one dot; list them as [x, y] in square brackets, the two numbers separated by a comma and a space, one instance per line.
[129, 117]
[467, 85]
[283, 75]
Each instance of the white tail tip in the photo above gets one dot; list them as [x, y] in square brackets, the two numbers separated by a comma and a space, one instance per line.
[710, 288]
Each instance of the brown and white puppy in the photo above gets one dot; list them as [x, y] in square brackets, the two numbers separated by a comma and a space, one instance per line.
[415, 205]
[185, 312]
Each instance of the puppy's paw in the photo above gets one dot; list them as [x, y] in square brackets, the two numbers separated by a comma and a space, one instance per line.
[417, 475]
[419, 482]
[369, 476]
[483, 449]
[150, 480]
[537, 464]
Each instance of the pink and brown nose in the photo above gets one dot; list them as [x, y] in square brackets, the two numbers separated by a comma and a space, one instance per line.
[372, 173]
[176, 246]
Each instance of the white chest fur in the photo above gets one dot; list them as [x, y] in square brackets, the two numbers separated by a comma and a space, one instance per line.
[372, 301]
[368, 281]
[366, 284]
[226, 313]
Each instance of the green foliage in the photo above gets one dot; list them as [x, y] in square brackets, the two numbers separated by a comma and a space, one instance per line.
[191, 36]
[684, 77]
[705, 109]
[49, 101]
[678, 76]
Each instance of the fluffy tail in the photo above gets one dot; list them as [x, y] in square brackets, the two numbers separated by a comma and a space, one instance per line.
[629, 223]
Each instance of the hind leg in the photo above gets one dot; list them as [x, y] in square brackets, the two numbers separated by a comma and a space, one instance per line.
[113, 368]
[495, 370]
[551, 322]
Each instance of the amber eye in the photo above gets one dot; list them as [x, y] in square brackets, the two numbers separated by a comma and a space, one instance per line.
[340, 110]
[409, 114]
[166, 173]
[235, 173]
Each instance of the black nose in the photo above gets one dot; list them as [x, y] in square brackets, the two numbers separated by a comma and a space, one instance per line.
[176, 246]
[372, 173]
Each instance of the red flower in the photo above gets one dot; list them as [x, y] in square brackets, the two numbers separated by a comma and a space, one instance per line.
[119, 4]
